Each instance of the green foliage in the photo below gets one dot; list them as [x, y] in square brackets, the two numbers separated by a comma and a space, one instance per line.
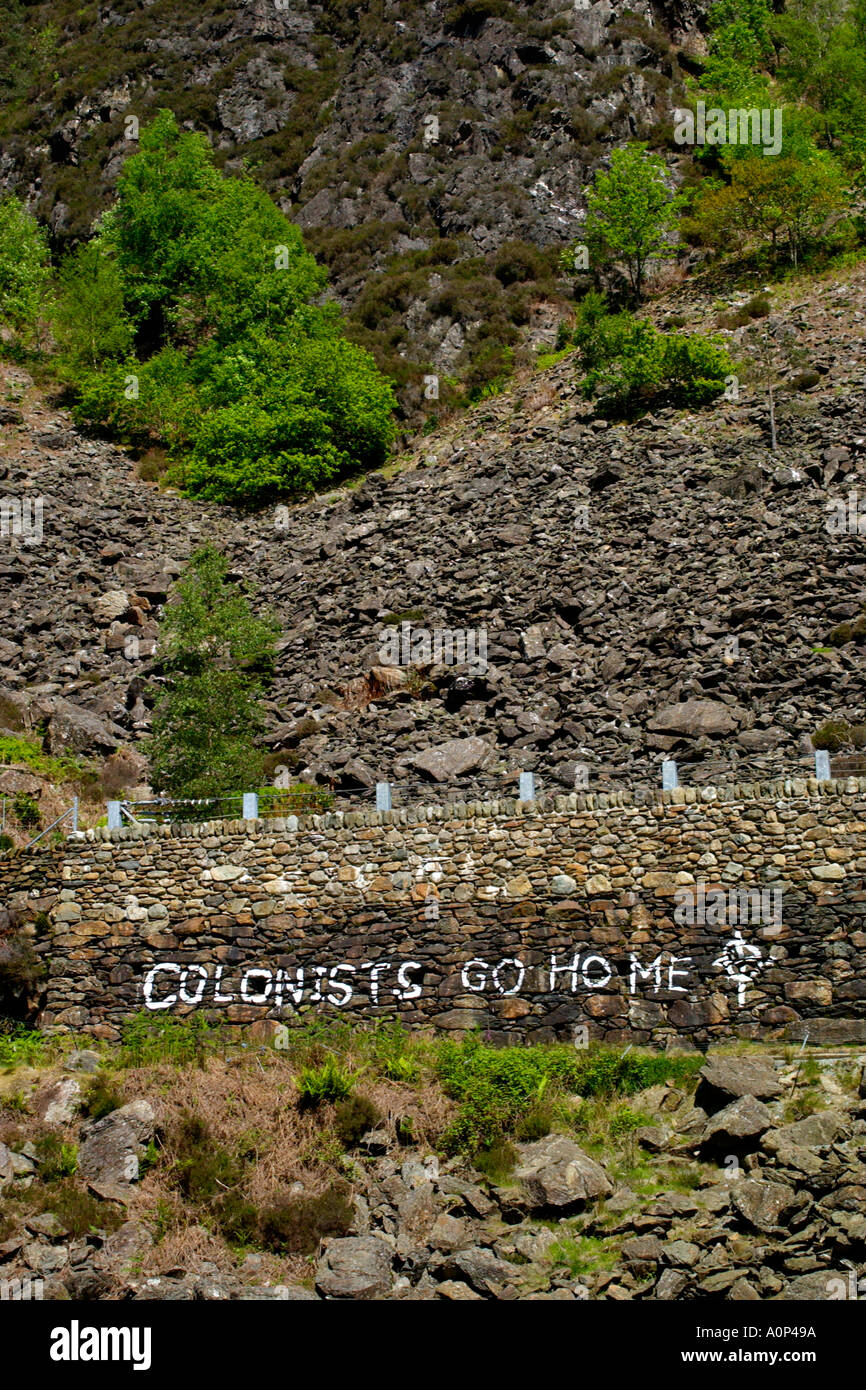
[100, 1097]
[148, 1041]
[582, 1254]
[56, 769]
[295, 1225]
[786, 200]
[216, 655]
[625, 1120]
[26, 811]
[631, 214]
[55, 1158]
[498, 1087]
[629, 365]
[78, 1211]
[24, 271]
[822, 60]
[90, 323]
[298, 798]
[202, 1168]
[497, 1160]
[189, 322]
[22, 1047]
[330, 1081]
[354, 1117]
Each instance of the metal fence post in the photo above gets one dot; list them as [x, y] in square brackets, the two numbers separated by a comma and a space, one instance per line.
[75, 815]
[114, 815]
[527, 786]
[383, 796]
[822, 765]
[251, 806]
[669, 775]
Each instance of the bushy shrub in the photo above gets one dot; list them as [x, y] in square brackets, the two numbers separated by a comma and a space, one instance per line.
[55, 1158]
[295, 1225]
[854, 630]
[355, 1116]
[78, 1211]
[500, 1089]
[832, 735]
[100, 1097]
[148, 1041]
[629, 365]
[203, 1169]
[26, 810]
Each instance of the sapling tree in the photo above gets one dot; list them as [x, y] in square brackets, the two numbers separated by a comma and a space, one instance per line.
[216, 656]
[631, 214]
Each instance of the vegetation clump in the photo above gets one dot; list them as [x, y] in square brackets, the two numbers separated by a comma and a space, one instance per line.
[192, 321]
[354, 1117]
[295, 1225]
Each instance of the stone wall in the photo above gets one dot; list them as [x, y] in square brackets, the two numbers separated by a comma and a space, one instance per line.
[596, 912]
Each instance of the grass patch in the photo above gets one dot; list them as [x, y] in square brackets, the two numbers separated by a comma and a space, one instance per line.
[148, 1041]
[583, 1255]
[29, 754]
[502, 1090]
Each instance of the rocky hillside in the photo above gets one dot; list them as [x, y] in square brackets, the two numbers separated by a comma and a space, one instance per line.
[432, 152]
[750, 1187]
[662, 589]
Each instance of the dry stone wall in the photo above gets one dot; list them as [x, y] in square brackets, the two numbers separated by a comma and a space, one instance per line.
[694, 914]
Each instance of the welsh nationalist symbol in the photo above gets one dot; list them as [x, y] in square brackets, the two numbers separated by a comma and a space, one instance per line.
[741, 963]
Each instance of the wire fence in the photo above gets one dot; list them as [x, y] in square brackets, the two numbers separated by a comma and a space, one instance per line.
[280, 802]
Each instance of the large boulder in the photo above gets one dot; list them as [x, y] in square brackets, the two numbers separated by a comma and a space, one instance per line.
[724, 1079]
[76, 730]
[481, 1270]
[452, 759]
[58, 1104]
[112, 1147]
[738, 1127]
[355, 1267]
[817, 1131]
[764, 1205]
[693, 718]
[556, 1174]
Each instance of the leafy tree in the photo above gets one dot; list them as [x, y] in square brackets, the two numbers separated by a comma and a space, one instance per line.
[216, 656]
[90, 322]
[822, 60]
[631, 214]
[230, 359]
[24, 272]
[783, 200]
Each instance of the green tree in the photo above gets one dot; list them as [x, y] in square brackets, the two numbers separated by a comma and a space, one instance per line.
[784, 200]
[631, 214]
[236, 365]
[217, 656]
[90, 323]
[24, 270]
[822, 60]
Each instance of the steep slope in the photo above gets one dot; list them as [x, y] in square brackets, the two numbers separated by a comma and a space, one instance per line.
[412, 141]
[616, 571]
